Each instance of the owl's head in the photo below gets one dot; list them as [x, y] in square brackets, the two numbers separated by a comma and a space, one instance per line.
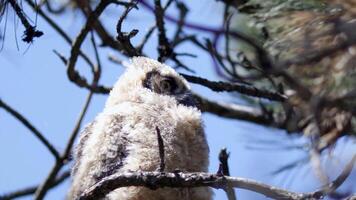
[149, 81]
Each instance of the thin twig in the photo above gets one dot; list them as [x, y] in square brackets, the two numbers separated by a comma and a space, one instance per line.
[115, 60]
[58, 29]
[145, 39]
[150, 31]
[183, 11]
[340, 179]
[30, 31]
[97, 69]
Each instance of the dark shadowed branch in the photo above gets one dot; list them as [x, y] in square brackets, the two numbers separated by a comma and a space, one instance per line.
[125, 37]
[73, 75]
[224, 171]
[219, 86]
[164, 48]
[30, 32]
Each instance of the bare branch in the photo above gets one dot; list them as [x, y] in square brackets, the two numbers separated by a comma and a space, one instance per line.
[125, 37]
[33, 129]
[179, 180]
[58, 29]
[224, 170]
[31, 190]
[340, 179]
[219, 86]
[97, 68]
[234, 111]
[30, 31]
[106, 38]
[183, 11]
[46, 185]
[164, 49]
[150, 31]
[71, 72]
[145, 39]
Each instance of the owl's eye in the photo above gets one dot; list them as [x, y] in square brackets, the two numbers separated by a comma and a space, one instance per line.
[168, 85]
[161, 84]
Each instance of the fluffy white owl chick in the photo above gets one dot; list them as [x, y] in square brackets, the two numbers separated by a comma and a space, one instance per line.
[147, 96]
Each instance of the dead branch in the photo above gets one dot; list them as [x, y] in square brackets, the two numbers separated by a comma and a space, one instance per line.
[234, 111]
[32, 189]
[50, 179]
[224, 171]
[31, 127]
[58, 29]
[30, 32]
[73, 75]
[163, 47]
[163, 179]
[219, 86]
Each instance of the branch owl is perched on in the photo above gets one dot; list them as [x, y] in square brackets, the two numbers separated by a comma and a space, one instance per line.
[147, 96]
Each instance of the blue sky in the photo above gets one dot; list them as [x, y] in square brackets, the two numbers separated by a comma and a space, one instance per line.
[34, 82]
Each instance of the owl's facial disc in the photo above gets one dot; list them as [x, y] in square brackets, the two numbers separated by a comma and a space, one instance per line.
[167, 85]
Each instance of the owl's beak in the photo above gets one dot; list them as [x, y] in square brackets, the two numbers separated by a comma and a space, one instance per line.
[187, 99]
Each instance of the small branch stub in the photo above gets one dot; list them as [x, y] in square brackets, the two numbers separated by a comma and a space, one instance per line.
[162, 164]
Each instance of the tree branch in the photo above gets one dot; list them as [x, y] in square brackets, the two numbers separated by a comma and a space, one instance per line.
[58, 29]
[32, 189]
[125, 37]
[224, 171]
[200, 179]
[33, 129]
[164, 49]
[46, 185]
[73, 75]
[235, 111]
[30, 32]
[219, 86]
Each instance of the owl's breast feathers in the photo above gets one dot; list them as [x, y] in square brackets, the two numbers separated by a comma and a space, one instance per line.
[123, 138]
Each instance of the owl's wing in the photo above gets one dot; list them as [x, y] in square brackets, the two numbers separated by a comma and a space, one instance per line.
[114, 146]
[101, 152]
[83, 137]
